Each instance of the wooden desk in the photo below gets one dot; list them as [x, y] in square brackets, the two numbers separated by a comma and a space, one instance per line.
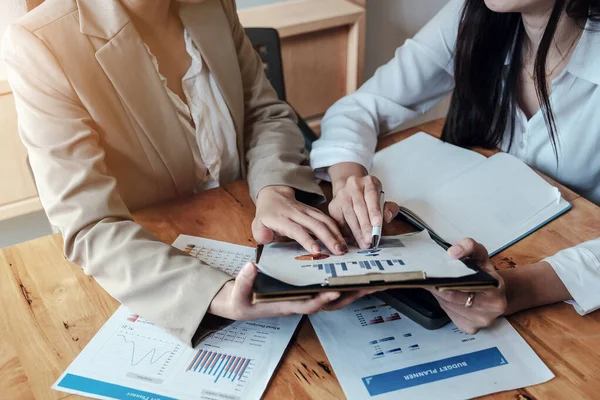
[50, 309]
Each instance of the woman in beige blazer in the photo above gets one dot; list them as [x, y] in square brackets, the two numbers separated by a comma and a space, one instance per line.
[123, 104]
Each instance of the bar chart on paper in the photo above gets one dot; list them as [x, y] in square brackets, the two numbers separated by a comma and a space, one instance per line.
[219, 365]
[226, 359]
[376, 265]
[375, 314]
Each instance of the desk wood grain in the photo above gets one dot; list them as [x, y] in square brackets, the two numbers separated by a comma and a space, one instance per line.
[51, 309]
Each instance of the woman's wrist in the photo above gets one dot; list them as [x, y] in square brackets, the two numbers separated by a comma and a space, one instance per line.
[532, 286]
[220, 304]
[285, 191]
[339, 174]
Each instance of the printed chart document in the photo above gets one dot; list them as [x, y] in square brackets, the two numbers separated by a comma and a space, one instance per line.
[378, 353]
[130, 357]
[413, 252]
[457, 193]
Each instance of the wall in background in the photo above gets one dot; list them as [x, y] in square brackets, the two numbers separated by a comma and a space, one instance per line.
[389, 24]
[10, 11]
[253, 3]
[24, 228]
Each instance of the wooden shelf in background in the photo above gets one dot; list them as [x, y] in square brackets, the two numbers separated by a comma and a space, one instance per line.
[292, 18]
[18, 195]
[322, 47]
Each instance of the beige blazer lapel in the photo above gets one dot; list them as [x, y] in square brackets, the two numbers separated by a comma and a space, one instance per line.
[210, 30]
[127, 64]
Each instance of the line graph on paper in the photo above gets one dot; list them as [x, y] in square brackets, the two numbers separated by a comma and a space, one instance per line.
[141, 349]
[150, 357]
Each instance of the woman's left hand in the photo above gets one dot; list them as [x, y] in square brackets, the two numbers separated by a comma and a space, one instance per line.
[278, 213]
[486, 305]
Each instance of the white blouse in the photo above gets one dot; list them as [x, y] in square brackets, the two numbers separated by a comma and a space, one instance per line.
[421, 74]
[207, 123]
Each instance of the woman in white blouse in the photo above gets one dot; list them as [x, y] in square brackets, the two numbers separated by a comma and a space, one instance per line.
[525, 77]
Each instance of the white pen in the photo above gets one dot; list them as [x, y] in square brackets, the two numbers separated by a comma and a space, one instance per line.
[376, 232]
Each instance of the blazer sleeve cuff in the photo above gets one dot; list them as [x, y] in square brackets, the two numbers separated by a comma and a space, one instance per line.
[302, 181]
[325, 157]
[579, 270]
[191, 305]
[210, 323]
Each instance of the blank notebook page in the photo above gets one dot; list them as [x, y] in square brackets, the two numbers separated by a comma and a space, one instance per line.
[460, 193]
[411, 168]
[488, 203]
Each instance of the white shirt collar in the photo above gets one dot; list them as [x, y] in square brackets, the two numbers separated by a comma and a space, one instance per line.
[585, 61]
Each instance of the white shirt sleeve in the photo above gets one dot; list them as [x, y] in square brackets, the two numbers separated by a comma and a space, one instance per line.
[419, 76]
[579, 269]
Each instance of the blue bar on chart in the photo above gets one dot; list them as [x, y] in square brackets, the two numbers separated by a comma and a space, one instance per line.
[219, 365]
[379, 264]
[330, 268]
[387, 339]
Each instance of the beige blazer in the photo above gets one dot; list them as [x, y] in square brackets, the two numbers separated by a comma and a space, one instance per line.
[104, 139]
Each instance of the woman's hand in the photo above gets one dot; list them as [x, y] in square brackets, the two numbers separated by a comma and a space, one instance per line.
[355, 204]
[234, 300]
[487, 305]
[278, 213]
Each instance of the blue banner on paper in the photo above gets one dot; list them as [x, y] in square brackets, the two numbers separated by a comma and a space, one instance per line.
[93, 386]
[434, 371]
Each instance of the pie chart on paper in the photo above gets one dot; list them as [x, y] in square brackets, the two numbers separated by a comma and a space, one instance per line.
[311, 257]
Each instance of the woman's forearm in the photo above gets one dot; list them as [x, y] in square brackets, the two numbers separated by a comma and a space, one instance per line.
[532, 286]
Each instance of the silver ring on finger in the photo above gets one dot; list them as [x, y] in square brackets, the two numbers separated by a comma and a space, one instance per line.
[470, 300]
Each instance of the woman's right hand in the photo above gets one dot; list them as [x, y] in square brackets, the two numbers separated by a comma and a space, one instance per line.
[355, 204]
[234, 300]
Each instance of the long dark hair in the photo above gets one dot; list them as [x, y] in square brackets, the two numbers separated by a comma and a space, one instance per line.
[484, 101]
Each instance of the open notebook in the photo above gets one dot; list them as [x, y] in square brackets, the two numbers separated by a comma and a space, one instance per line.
[456, 193]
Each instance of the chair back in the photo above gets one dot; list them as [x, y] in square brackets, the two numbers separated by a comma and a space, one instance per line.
[268, 46]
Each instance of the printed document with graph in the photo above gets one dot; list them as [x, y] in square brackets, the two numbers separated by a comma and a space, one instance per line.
[131, 357]
[378, 353]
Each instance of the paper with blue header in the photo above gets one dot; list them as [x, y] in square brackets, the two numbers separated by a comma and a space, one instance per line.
[131, 358]
[378, 353]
